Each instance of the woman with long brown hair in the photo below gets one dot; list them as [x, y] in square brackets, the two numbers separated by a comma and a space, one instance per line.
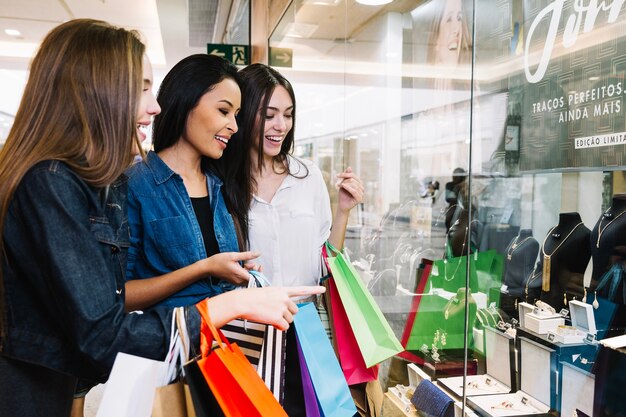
[64, 227]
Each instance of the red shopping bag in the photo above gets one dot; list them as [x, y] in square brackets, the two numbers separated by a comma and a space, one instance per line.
[350, 358]
[238, 389]
[419, 290]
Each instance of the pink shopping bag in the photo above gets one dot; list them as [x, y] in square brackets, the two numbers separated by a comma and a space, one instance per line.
[350, 358]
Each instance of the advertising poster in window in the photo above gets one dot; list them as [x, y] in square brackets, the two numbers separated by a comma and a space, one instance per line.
[573, 99]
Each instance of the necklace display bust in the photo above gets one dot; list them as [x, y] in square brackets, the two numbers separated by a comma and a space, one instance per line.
[608, 239]
[519, 261]
[564, 256]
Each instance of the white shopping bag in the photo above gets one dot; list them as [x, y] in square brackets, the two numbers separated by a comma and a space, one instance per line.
[129, 392]
[132, 385]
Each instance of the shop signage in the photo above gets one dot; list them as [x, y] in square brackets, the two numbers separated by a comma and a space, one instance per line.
[587, 13]
[237, 54]
[573, 103]
[281, 57]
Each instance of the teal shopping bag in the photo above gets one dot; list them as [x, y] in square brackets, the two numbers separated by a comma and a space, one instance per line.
[373, 334]
[330, 386]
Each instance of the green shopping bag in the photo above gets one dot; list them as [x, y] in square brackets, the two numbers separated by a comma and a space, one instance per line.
[440, 323]
[374, 336]
[487, 267]
[485, 272]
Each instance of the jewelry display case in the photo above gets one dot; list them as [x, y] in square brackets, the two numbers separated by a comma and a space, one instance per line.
[509, 405]
[577, 390]
[537, 371]
[500, 376]
[582, 328]
[542, 321]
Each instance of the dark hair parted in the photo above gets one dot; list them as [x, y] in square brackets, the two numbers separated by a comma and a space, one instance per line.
[181, 90]
[258, 82]
[179, 93]
[79, 106]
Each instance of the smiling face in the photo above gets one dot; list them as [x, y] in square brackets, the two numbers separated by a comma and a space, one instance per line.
[450, 30]
[278, 122]
[211, 123]
[148, 106]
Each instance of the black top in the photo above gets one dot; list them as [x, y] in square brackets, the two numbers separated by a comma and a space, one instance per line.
[608, 237]
[567, 244]
[519, 262]
[202, 208]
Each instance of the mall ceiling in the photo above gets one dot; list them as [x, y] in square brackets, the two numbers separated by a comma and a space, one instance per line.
[166, 23]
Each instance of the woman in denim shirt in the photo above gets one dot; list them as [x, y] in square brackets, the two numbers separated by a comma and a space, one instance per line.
[64, 232]
[184, 241]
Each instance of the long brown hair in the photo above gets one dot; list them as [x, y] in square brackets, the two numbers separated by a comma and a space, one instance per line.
[79, 107]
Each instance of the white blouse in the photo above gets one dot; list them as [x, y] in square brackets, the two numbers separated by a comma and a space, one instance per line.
[290, 230]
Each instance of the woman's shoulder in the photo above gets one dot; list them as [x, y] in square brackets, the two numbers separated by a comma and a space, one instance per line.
[56, 180]
[142, 172]
[52, 170]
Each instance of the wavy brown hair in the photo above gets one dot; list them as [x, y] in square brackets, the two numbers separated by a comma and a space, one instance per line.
[79, 107]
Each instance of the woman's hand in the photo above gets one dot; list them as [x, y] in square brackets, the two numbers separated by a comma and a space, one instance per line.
[226, 266]
[350, 190]
[270, 305]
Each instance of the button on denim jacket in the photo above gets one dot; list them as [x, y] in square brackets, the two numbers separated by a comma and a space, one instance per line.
[63, 277]
[165, 235]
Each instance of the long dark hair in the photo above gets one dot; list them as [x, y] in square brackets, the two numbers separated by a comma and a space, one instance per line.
[79, 106]
[179, 93]
[258, 82]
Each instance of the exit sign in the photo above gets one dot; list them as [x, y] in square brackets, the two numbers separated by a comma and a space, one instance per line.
[281, 57]
[237, 54]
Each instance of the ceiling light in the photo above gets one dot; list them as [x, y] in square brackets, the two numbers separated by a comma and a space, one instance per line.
[13, 32]
[373, 2]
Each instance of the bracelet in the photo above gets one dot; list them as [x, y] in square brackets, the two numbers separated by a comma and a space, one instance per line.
[545, 306]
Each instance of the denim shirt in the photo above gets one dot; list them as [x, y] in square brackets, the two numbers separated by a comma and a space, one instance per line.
[165, 234]
[63, 274]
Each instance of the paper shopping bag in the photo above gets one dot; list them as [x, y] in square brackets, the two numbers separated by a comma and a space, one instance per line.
[203, 403]
[375, 337]
[169, 401]
[310, 399]
[264, 345]
[350, 358]
[169, 396]
[237, 387]
[129, 392]
[331, 388]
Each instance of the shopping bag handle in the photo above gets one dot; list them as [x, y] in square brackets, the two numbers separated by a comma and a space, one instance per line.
[328, 246]
[208, 326]
[257, 280]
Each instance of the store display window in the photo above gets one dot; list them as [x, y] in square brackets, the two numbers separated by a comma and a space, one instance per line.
[490, 136]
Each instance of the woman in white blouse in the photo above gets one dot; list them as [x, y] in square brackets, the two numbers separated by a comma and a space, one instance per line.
[289, 206]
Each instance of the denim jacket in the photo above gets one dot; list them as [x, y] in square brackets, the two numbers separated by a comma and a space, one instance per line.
[63, 274]
[165, 234]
